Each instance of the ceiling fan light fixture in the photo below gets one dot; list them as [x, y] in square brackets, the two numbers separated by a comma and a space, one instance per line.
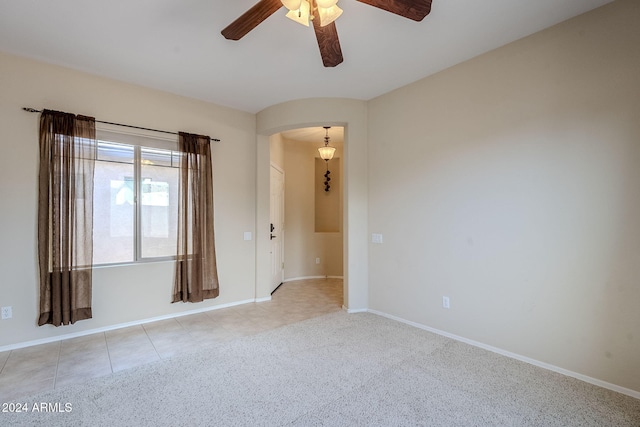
[300, 15]
[326, 4]
[323, 13]
[291, 4]
[328, 15]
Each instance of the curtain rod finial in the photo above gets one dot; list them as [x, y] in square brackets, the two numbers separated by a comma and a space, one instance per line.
[31, 110]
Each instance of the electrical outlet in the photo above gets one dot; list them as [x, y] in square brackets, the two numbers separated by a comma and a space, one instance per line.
[317, 260]
[445, 302]
[6, 313]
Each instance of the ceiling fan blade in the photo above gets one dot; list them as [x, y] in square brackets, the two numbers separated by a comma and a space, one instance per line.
[412, 9]
[250, 19]
[328, 43]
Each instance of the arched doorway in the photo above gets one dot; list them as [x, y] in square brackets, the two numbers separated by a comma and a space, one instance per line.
[350, 114]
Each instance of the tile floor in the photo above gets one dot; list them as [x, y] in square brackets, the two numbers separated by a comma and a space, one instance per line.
[56, 365]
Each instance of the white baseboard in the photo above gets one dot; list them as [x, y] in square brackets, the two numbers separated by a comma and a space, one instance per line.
[293, 279]
[354, 310]
[122, 325]
[585, 378]
[263, 299]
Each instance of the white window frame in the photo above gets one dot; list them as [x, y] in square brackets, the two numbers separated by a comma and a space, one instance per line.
[138, 139]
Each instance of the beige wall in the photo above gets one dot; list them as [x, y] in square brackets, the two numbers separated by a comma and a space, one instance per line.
[302, 244]
[126, 293]
[511, 184]
[276, 150]
[328, 204]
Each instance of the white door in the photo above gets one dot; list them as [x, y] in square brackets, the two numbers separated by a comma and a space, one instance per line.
[277, 227]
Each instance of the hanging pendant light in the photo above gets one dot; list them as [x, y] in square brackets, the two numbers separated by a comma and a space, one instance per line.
[326, 153]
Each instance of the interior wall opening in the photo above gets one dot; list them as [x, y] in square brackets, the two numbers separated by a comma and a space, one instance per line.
[312, 232]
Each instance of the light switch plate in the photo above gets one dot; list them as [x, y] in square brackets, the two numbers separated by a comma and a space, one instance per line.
[376, 238]
[247, 235]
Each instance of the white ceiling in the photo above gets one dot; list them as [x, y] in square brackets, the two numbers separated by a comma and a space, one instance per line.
[315, 135]
[176, 46]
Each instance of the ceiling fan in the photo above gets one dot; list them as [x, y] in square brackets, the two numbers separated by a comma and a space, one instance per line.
[322, 14]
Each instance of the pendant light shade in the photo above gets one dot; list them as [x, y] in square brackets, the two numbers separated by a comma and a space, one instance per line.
[326, 153]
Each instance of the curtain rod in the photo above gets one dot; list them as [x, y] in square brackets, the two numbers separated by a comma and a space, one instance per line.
[33, 110]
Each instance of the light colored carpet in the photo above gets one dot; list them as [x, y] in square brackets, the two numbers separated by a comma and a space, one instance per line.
[336, 370]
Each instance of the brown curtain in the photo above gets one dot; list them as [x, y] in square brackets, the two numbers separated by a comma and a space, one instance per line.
[196, 276]
[65, 216]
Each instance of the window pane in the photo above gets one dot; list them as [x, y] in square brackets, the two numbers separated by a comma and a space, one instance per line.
[109, 151]
[159, 198]
[113, 210]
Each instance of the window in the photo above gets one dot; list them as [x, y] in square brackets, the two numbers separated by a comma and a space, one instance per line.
[135, 199]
